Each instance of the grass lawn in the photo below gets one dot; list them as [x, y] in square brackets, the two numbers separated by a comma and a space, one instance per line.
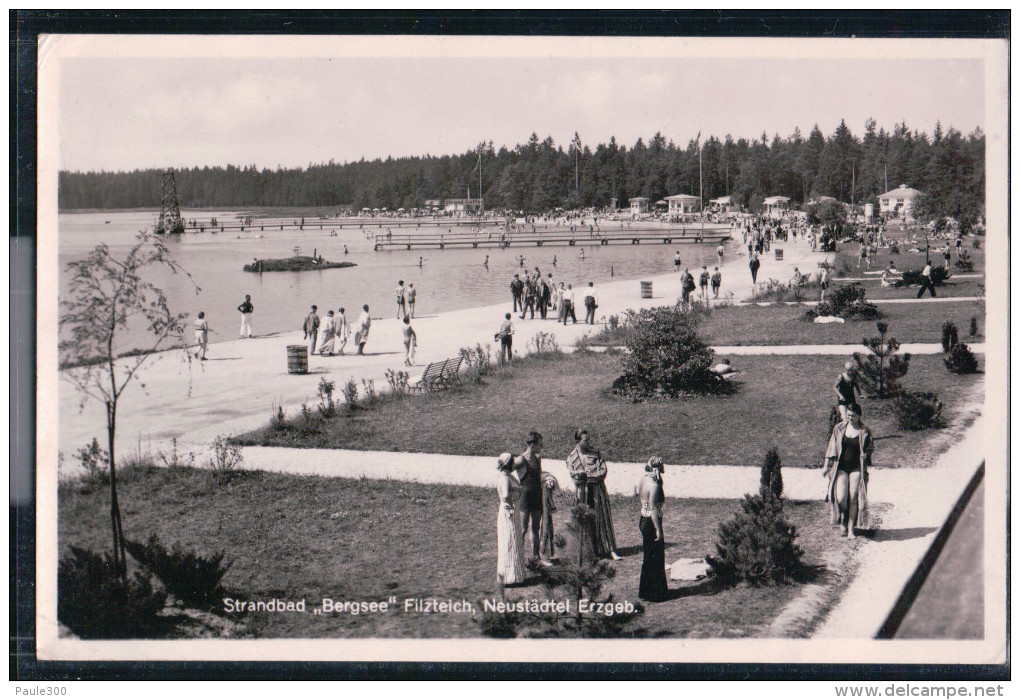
[557, 395]
[296, 537]
[785, 325]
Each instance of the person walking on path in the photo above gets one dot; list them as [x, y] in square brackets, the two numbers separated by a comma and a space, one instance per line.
[343, 330]
[529, 472]
[846, 388]
[719, 253]
[509, 553]
[327, 333]
[517, 292]
[399, 293]
[547, 534]
[246, 308]
[412, 294]
[362, 327]
[568, 305]
[588, 470]
[686, 287]
[823, 281]
[410, 342]
[530, 296]
[505, 336]
[703, 284]
[201, 335]
[754, 263]
[311, 328]
[652, 585]
[590, 303]
[926, 281]
[716, 283]
[847, 459]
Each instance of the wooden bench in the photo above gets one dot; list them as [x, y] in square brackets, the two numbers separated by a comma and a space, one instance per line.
[437, 375]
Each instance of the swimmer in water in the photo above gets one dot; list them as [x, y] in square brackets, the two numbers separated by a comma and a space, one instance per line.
[420, 261]
[486, 261]
[582, 254]
[345, 249]
[554, 261]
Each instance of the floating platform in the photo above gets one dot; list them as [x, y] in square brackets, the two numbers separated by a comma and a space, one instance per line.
[710, 234]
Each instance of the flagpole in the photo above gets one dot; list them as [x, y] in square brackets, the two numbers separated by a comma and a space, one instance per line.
[701, 188]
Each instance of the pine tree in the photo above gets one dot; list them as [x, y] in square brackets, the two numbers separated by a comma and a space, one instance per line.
[881, 370]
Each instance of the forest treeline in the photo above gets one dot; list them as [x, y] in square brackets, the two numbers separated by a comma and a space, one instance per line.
[540, 175]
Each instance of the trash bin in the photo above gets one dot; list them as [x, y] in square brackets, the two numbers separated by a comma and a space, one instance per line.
[297, 359]
[779, 253]
[646, 290]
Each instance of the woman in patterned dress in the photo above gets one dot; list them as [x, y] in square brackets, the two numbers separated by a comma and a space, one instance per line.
[509, 557]
[588, 470]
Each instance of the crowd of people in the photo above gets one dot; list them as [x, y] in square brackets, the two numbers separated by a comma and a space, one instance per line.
[541, 294]
[527, 500]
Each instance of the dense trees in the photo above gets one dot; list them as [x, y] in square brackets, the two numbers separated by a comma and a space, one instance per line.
[540, 174]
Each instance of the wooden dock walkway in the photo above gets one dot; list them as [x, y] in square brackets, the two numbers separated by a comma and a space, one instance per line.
[711, 234]
[317, 224]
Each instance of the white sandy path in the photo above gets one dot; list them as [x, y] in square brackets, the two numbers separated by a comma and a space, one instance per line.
[236, 388]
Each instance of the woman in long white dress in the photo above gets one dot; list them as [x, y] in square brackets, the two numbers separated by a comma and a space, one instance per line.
[361, 332]
[509, 555]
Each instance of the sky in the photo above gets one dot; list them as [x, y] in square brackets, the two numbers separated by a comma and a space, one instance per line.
[189, 105]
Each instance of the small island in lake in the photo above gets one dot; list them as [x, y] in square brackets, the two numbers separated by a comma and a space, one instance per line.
[298, 263]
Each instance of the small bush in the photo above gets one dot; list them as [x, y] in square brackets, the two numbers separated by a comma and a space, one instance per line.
[757, 545]
[977, 244]
[278, 418]
[667, 357]
[950, 336]
[973, 326]
[918, 410]
[613, 322]
[397, 379]
[894, 249]
[193, 578]
[880, 370]
[848, 301]
[370, 395]
[95, 603]
[226, 457]
[96, 463]
[175, 460]
[961, 360]
[912, 278]
[327, 407]
[542, 343]
[965, 264]
[350, 390]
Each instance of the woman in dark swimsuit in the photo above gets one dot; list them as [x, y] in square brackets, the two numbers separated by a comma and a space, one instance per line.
[529, 472]
[848, 457]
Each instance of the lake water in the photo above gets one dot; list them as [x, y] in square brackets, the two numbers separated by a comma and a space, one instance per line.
[448, 279]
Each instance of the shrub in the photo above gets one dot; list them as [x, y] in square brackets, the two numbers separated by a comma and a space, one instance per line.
[961, 360]
[96, 463]
[973, 326]
[965, 264]
[950, 336]
[881, 370]
[175, 460]
[977, 244]
[939, 275]
[226, 457]
[757, 545]
[542, 343]
[918, 410]
[369, 386]
[350, 390]
[278, 418]
[397, 379]
[193, 578]
[327, 407]
[666, 357]
[95, 603]
[613, 322]
[848, 301]
[894, 249]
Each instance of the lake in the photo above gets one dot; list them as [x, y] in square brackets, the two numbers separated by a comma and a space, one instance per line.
[446, 280]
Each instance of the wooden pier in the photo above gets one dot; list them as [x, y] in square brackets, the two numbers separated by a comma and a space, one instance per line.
[348, 223]
[711, 234]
